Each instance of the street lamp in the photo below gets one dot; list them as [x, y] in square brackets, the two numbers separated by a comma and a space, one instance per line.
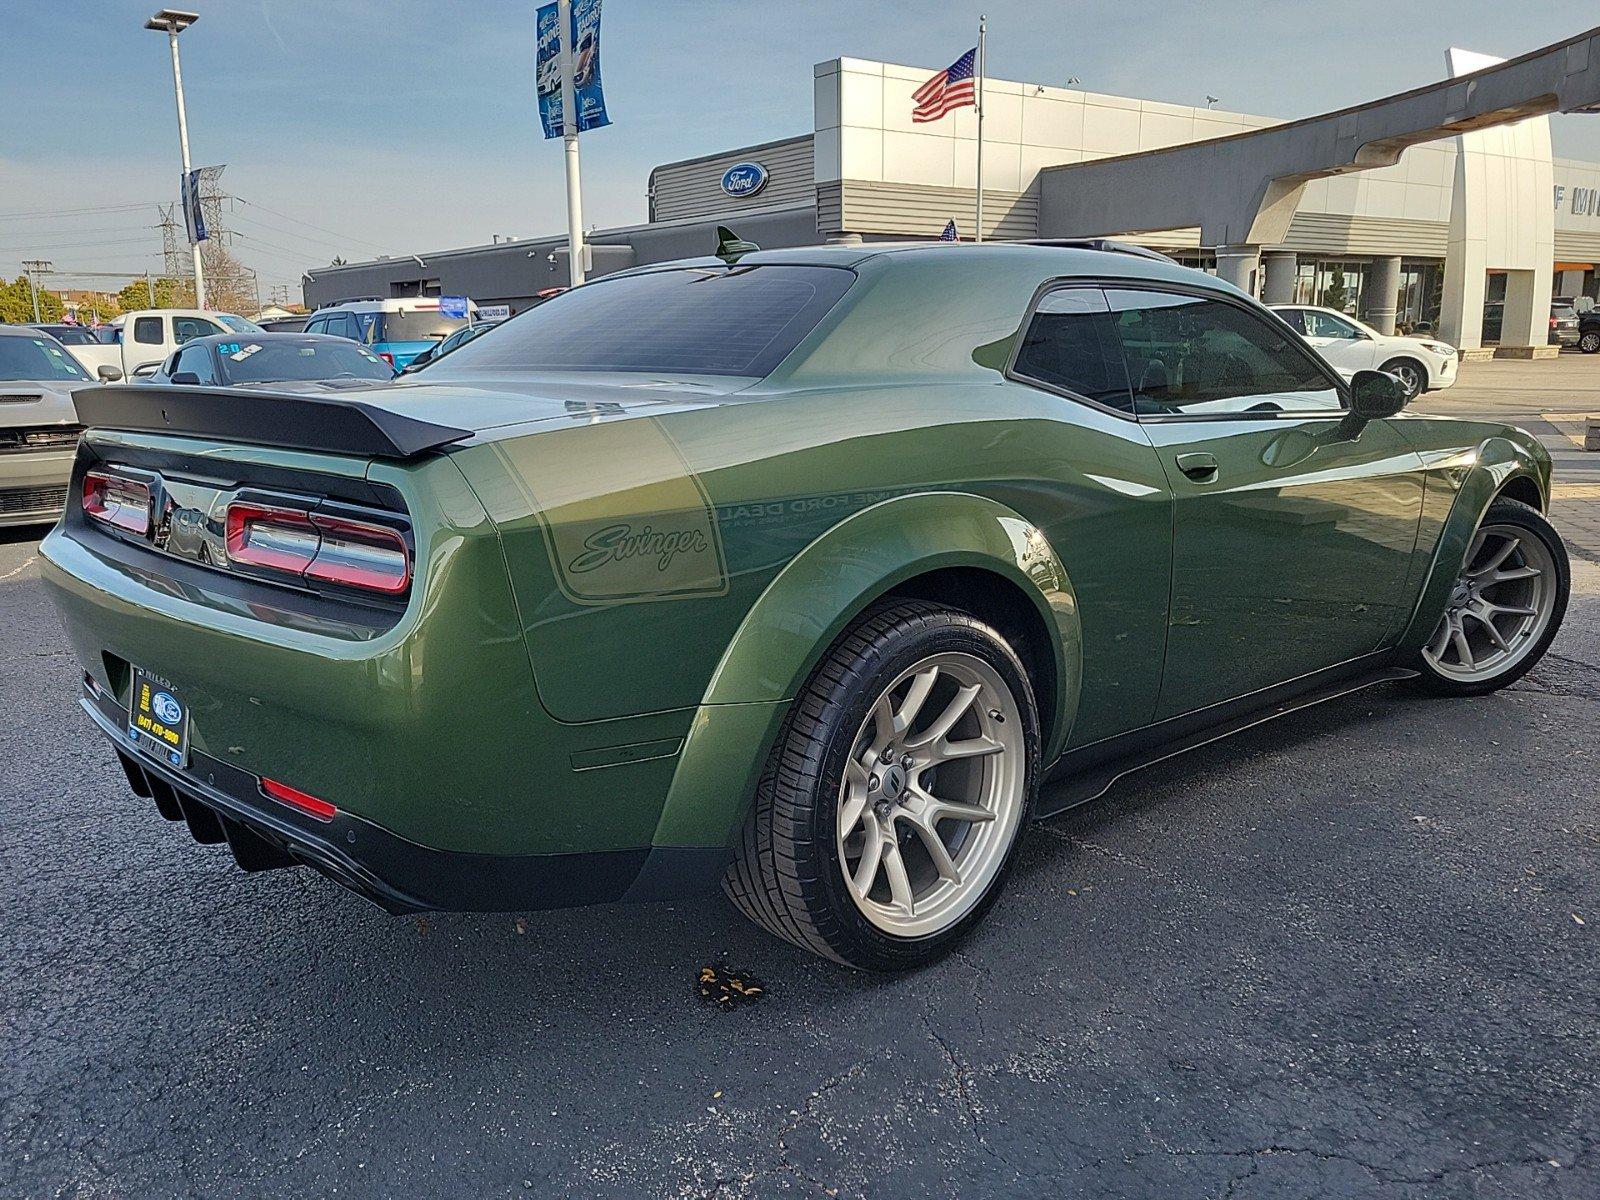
[172, 22]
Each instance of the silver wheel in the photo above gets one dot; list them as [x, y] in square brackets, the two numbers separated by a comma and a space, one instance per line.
[1589, 343]
[1499, 607]
[1410, 374]
[932, 795]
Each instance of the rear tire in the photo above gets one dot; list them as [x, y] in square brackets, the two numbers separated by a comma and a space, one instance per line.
[1411, 373]
[889, 813]
[1505, 609]
[1589, 342]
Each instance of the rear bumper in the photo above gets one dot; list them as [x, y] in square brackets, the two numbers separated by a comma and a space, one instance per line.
[221, 804]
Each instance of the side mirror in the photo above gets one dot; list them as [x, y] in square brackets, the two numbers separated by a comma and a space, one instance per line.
[186, 377]
[108, 373]
[1375, 395]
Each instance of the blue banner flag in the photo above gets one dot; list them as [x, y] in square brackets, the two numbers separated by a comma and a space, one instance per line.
[194, 217]
[949, 234]
[589, 99]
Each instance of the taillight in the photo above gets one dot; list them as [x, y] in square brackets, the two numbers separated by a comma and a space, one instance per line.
[117, 501]
[319, 547]
[295, 798]
[386, 356]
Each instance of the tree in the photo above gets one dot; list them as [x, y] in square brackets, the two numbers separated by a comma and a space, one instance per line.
[230, 285]
[170, 293]
[16, 302]
[1335, 295]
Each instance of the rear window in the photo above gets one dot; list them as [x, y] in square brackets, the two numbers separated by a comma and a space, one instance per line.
[276, 361]
[691, 321]
[37, 358]
[425, 325]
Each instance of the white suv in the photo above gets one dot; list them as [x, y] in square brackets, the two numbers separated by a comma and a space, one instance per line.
[1422, 364]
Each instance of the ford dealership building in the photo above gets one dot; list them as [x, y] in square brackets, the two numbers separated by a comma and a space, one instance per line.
[865, 171]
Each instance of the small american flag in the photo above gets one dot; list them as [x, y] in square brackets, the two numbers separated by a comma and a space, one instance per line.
[949, 234]
[951, 88]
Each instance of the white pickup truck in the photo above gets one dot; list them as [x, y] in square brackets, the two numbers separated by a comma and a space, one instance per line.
[145, 337]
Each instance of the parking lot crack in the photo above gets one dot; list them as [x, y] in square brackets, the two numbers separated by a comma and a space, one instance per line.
[963, 1084]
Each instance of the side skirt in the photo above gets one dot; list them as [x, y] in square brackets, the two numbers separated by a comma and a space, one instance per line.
[1088, 772]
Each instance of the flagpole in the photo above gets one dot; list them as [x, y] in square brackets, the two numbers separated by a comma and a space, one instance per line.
[569, 132]
[983, 25]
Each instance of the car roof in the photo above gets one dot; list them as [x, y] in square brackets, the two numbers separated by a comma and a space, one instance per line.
[1066, 258]
[24, 331]
[215, 339]
[381, 304]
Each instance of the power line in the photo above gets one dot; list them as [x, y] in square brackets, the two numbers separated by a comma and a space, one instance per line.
[70, 212]
[309, 225]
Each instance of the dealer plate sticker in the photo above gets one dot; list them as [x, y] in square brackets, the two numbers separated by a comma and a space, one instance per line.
[158, 722]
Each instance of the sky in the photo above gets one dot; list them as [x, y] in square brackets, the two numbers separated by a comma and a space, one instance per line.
[363, 127]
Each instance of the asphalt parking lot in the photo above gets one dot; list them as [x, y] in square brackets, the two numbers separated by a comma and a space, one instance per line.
[1353, 953]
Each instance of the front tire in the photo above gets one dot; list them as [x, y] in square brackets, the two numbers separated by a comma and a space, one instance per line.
[889, 813]
[1411, 373]
[1505, 608]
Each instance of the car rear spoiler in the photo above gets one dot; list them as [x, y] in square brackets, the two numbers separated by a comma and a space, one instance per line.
[294, 422]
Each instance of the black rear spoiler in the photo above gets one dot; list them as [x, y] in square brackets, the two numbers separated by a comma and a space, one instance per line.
[294, 422]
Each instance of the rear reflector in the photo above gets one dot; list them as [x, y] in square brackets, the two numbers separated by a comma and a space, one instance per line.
[117, 501]
[319, 547]
[295, 798]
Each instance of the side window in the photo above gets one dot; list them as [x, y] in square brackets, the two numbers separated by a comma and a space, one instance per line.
[1191, 356]
[371, 325]
[147, 331]
[317, 325]
[186, 329]
[341, 325]
[197, 361]
[1321, 324]
[1295, 318]
[1070, 344]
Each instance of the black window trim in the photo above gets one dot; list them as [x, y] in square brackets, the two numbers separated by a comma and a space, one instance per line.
[1201, 292]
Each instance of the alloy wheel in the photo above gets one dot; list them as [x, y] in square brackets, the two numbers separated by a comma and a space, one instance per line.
[1410, 375]
[932, 795]
[1589, 343]
[1499, 607]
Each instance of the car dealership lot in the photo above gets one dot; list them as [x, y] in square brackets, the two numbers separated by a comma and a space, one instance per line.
[1339, 955]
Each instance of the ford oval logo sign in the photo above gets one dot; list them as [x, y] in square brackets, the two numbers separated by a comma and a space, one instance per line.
[744, 179]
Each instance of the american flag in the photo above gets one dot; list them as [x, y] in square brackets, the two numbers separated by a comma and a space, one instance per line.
[949, 234]
[951, 88]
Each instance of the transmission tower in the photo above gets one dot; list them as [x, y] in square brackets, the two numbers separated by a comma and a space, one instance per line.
[176, 262]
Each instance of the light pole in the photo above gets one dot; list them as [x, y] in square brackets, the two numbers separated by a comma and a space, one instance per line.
[172, 22]
[36, 267]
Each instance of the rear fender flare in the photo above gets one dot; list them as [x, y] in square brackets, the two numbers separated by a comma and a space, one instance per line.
[812, 601]
[1482, 473]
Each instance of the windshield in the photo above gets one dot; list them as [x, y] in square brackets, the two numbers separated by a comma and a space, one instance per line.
[313, 358]
[422, 325]
[37, 358]
[691, 321]
[238, 324]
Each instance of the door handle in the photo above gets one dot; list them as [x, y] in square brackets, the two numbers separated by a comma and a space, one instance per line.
[1198, 466]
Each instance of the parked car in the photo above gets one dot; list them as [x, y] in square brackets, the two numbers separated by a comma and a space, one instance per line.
[459, 338]
[1563, 322]
[1589, 331]
[796, 570]
[396, 330]
[294, 324]
[1422, 364]
[146, 337]
[38, 426]
[272, 358]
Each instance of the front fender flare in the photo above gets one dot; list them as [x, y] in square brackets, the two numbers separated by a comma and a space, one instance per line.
[811, 602]
[1479, 475]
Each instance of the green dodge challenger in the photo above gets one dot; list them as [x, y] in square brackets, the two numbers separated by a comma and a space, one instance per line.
[802, 571]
